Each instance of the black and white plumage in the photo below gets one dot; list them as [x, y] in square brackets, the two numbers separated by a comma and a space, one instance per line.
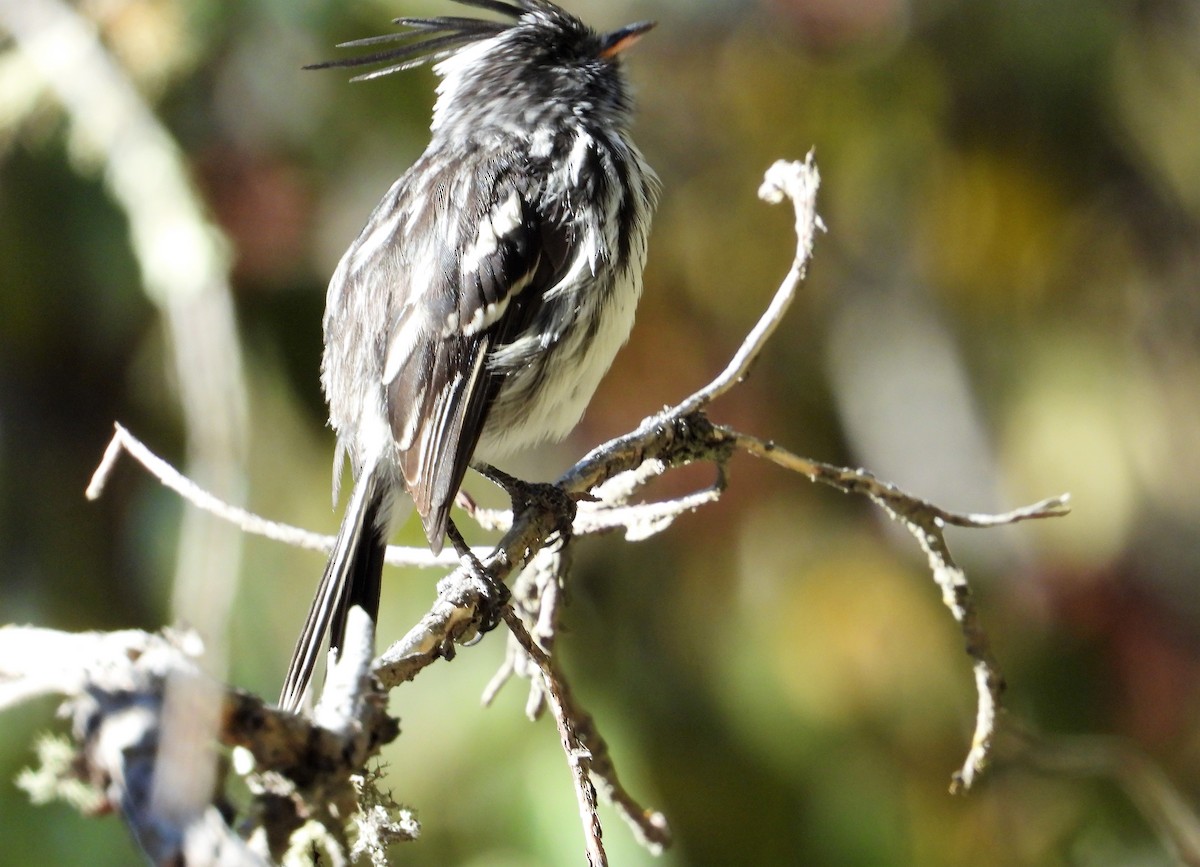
[489, 291]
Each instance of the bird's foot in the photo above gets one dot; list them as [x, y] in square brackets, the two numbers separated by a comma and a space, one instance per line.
[496, 593]
[547, 498]
[466, 502]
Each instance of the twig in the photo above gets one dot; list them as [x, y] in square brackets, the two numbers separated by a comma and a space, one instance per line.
[646, 519]
[798, 183]
[578, 756]
[925, 522]
[246, 521]
[794, 180]
[348, 683]
[537, 599]
[862, 482]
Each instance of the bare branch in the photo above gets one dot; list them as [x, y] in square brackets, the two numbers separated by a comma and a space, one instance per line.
[862, 482]
[578, 756]
[797, 182]
[587, 753]
[246, 521]
[347, 684]
[926, 522]
[537, 599]
[644, 520]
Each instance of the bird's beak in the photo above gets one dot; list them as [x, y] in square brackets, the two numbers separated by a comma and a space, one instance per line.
[614, 43]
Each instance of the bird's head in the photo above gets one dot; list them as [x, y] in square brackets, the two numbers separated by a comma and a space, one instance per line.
[542, 64]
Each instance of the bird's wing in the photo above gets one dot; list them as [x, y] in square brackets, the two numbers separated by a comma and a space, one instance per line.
[474, 282]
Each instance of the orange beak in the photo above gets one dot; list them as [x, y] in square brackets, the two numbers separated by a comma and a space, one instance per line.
[614, 43]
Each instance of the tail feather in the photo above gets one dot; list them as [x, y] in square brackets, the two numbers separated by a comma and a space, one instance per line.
[352, 577]
[366, 575]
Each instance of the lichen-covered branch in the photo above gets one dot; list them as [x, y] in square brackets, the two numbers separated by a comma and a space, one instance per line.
[124, 693]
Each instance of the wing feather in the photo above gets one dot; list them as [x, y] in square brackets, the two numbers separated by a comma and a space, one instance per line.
[483, 289]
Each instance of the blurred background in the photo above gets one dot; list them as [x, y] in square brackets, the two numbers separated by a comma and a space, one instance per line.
[1005, 308]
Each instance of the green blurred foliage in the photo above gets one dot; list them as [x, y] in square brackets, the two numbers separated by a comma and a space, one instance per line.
[1005, 307]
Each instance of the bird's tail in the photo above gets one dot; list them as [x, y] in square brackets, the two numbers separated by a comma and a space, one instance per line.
[352, 577]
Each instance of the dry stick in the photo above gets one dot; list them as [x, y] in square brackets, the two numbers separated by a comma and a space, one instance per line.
[578, 756]
[537, 600]
[926, 522]
[645, 519]
[587, 753]
[248, 522]
[796, 181]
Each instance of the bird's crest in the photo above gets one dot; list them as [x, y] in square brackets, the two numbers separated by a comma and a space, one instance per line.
[428, 40]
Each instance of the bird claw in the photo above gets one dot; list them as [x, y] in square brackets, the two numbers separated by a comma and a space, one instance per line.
[491, 608]
[494, 595]
[524, 494]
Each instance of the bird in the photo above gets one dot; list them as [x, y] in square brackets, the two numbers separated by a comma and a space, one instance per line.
[489, 290]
